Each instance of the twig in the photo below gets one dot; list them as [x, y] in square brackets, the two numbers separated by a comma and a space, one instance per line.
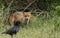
[10, 3]
[7, 12]
[29, 5]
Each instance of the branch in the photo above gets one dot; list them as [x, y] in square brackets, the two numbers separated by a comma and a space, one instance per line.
[29, 5]
[10, 3]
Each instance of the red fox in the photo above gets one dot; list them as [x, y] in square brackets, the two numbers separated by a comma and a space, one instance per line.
[20, 16]
[27, 17]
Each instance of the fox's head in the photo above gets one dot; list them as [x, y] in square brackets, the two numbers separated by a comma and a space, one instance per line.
[27, 14]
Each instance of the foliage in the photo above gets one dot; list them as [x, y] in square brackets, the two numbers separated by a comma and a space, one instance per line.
[47, 18]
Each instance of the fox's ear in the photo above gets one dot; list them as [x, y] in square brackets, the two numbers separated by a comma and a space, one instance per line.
[27, 14]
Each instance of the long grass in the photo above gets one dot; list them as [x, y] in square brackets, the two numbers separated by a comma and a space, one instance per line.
[38, 28]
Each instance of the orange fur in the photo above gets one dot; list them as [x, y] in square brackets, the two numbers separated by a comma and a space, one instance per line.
[11, 19]
[27, 16]
[19, 16]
